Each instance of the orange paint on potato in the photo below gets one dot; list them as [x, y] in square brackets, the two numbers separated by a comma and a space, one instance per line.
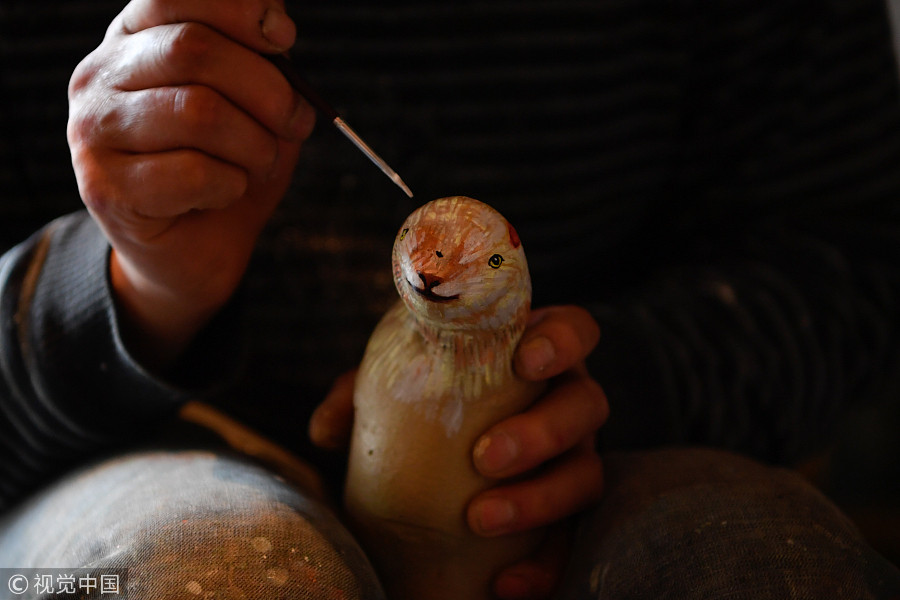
[437, 373]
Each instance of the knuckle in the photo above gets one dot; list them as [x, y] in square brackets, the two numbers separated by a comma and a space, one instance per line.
[187, 47]
[554, 440]
[279, 105]
[93, 186]
[194, 173]
[89, 114]
[306, 121]
[567, 337]
[581, 327]
[199, 183]
[198, 108]
[83, 74]
[569, 343]
[81, 127]
[91, 178]
[113, 117]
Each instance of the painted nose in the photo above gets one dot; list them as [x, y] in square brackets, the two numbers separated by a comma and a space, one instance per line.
[429, 281]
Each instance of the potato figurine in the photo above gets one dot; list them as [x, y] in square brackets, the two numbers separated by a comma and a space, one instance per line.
[437, 373]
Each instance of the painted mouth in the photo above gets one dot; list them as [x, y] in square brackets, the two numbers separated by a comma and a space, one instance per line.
[430, 295]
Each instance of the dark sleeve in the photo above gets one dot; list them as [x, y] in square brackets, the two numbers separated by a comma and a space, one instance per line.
[762, 342]
[767, 309]
[69, 387]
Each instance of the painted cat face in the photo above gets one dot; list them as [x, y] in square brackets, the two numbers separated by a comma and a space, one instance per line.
[457, 262]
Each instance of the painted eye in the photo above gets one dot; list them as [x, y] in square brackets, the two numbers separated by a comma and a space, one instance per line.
[495, 261]
[403, 234]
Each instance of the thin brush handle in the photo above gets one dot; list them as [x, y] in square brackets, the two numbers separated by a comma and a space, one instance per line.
[312, 96]
[302, 86]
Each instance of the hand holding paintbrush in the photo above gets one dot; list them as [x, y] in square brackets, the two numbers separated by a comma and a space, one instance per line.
[184, 139]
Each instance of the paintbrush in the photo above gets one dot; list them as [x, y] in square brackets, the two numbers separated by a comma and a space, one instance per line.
[312, 96]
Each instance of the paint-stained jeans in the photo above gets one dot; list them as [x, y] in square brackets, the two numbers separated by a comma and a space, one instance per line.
[673, 524]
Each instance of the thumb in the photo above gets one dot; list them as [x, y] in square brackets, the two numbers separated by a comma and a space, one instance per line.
[258, 24]
[332, 421]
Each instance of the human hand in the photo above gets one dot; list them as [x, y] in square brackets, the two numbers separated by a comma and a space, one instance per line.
[183, 139]
[553, 440]
[552, 444]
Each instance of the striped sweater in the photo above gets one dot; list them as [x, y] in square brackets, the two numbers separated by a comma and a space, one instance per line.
[719, 185]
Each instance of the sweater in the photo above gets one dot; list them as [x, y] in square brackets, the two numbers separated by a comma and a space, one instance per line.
[717, 185]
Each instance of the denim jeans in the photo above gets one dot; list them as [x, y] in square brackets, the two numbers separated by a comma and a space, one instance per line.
[674, 523]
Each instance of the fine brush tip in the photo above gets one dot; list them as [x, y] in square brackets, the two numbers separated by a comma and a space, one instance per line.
[312, 96]
[396, 179]
[365, 149]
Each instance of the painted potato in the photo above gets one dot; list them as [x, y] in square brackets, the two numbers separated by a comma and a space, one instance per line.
[436, 374]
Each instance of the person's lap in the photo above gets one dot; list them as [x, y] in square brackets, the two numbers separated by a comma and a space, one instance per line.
[699, 523]
[683, 523]
[186, 523]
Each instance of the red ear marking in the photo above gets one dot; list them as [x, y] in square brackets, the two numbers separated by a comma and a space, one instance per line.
[513, 236]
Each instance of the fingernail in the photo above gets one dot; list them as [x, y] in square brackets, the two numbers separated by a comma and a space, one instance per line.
[494, 515]
[494, 453]
[279, 29]
[536, 354]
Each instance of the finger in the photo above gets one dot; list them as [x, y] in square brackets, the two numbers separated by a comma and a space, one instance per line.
[332, 421]
[162, 185]
[574, 408]
[569, 486]
[170, 118]
[191, 54]
[556, 339]
[537, 576]
[261, 25]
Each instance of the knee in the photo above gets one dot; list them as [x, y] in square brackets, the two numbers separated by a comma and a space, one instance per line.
[688, 523]
[207, 525]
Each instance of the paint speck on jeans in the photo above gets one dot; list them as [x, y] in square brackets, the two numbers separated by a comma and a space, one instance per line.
[261, 544]
[194, 587]
[278, 576]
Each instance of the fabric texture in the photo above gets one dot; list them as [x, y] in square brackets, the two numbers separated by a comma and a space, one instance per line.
[675, 524]
[186, 523]
[723, 178]
[69, 387]
[717, 184]
[696, 523]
